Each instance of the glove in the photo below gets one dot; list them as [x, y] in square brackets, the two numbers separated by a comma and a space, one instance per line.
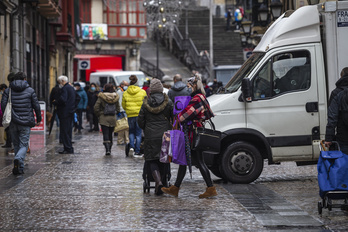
[119, 114]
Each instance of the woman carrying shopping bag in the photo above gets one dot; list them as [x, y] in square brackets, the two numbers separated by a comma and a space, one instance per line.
[197, 111]
[154, 118]
[106, 108]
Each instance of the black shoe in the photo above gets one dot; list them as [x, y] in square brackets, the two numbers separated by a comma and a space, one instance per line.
[90, 130]
[15, 169]
[65, 152]
[6, 146]
[79, 131]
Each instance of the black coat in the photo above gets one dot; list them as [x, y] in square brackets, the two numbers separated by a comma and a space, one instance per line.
[335, 128]
[154, 118]
[24, 101]
[66, 104]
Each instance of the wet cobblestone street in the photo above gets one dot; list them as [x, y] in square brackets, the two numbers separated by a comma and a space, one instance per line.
[88, 191]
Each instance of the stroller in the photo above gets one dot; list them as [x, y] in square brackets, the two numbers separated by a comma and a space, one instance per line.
[332, 178]
[147, 176]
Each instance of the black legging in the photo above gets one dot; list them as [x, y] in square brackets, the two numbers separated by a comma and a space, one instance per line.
[202, 168]
[107, 133]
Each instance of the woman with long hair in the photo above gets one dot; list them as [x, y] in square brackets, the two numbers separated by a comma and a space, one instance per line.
[196, 112]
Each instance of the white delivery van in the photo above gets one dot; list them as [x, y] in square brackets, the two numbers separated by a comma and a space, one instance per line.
[115, 77]
[223, 73]
[275, 106]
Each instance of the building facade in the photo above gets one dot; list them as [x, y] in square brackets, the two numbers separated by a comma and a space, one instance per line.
[112, 31]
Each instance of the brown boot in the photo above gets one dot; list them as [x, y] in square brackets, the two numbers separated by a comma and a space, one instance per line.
[209, 192]
[172, 190]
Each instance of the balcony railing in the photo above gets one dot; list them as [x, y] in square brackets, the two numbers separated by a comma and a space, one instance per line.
[49, 8]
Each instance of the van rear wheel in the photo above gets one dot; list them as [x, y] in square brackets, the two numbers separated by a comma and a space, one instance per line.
[241, 163]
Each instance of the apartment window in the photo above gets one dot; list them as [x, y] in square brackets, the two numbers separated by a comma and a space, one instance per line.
[85, 11]
[124, 12]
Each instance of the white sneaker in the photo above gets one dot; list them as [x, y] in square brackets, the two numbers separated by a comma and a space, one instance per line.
[131, 152]
[138, 155]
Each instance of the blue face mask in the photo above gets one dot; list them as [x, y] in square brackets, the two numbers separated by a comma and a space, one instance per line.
[125, 88]
[93, 89]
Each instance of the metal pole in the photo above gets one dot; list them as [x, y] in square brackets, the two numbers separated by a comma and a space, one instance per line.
[157, 54]
[186, 25]
[211, 38]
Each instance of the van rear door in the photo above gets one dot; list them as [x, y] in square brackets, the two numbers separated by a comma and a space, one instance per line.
[285, 103]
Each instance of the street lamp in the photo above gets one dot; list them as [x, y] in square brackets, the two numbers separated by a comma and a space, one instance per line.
[276, 9]
[98, 45]
[263, 14]
[313, 2]
[161, 16]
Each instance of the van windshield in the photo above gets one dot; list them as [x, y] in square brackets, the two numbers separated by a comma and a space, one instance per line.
[236, 81]
[141, 79]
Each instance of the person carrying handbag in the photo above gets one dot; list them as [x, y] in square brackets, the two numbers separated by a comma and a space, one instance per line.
[197, 111]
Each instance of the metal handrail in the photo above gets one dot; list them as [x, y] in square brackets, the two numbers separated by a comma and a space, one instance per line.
[150, 69]
[183, 44]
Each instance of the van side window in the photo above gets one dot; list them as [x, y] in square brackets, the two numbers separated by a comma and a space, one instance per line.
[103, 81]
[289, 72]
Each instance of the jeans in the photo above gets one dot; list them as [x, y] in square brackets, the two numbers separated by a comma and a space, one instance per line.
[134, 134]
[20, 139]
[79, 118]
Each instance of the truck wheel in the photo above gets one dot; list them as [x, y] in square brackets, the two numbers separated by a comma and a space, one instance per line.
[241, 163]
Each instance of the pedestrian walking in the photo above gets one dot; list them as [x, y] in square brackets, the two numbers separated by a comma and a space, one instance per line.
[196, 112]
[154, 118]
[106, 108]
[132, 101]
[336, 128]
[179, 88]
[7, 134]
[24, 102]
[54, 95]
[92, 95]
[238, 18]
[66, 106]
[82, 105]
[228, 16]
[123, 136]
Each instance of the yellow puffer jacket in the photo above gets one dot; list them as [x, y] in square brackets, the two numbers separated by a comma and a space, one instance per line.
[132, 100]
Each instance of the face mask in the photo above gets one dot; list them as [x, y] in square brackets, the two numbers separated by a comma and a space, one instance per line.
[60, 86]
[75, 88]
[93, 89]
[1, 92]
[125, 87]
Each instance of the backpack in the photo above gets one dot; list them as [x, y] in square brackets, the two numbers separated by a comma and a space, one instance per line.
[344, 106]
[110, 109]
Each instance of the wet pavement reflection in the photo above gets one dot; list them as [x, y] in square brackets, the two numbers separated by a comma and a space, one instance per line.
[88, 191]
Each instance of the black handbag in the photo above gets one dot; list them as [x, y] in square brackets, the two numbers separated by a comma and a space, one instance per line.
[205, 139]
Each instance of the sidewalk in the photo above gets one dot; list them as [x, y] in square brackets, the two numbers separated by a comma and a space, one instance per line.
[88, 191]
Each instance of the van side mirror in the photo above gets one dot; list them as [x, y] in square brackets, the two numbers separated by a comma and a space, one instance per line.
[246, 90]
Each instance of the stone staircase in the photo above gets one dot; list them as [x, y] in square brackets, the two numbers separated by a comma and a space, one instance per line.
[226, 45]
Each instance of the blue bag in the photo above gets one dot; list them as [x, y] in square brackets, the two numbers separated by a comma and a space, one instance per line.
[332, 172]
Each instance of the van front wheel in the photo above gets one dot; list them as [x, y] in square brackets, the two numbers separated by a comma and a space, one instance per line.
[241, 163]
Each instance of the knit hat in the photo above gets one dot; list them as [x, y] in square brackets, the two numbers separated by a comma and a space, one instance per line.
[133, 80]
[156, 86]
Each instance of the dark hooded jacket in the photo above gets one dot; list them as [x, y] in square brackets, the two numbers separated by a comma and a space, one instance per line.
[334, 119]
[24, 101]
[154, 118]
[178, 89]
